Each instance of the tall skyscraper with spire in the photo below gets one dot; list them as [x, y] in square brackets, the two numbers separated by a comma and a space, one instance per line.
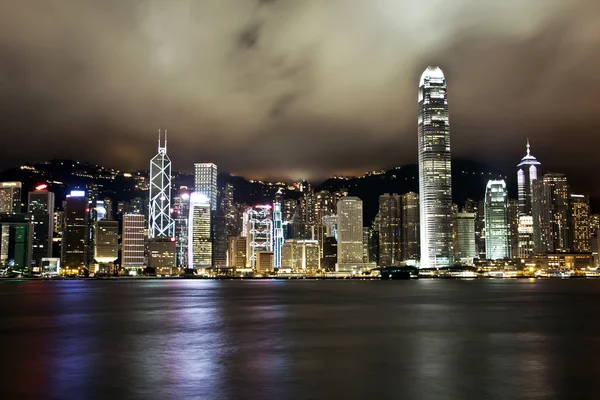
[435, 180]
[160, 223]
[527, 175]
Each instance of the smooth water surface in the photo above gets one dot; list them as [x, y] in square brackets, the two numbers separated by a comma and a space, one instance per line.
[423, 339]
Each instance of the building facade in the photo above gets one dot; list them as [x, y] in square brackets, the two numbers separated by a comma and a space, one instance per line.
[205, 182]
[497, 224]
[464, 237]
[435, 178]
[200, 240]
[160, 223]
[133, 241]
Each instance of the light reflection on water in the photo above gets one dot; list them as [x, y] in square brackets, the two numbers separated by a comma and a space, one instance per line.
[299, 339]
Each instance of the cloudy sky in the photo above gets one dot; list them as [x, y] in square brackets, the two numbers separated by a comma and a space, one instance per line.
[297, 88]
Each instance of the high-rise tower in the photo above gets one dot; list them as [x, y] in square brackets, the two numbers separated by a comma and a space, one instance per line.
[527, 174]
[497, 224]
[160, 223]
[205, 182]
[277, 231]
[435, 181]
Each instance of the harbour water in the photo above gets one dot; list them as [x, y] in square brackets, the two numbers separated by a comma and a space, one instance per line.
[270, 339]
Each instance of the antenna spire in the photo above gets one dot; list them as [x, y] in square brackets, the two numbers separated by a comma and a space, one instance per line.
[528, 148]
[165, 139]
[159, 139]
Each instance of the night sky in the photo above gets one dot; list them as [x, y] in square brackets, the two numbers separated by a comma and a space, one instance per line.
[299, 89]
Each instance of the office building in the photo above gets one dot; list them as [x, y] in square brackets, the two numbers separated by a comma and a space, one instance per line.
[106, 245]
[76, 236]
[264, 262]
[181, 214]
[513, 222]
[260, 232]
[41, 208]
[162, 256]
[160, 224]
[389, 229]
[527, 174]
[205, 182]
[301, 255]
[435, 178]
[16, 242]
[550, 208]
[219, 239]
[497, 225]
[200, 249]
[464, 237]
[133, 242]
[410, 220]
[579, 215]
[10, 197]
[237, 252]
[350, 250]
[277, 233]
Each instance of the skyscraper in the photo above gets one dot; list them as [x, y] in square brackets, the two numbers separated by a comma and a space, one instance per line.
[579, 214]
[464, 236]
[107, 244]
[550, 208]
[181, 214]
[41, 209]
[133, 241]
[389, 229]
[497, 225]
[160, 224]
[200, 241]
[260, 233]
[435, 180]
[205, 182]
[75, 242]
[10, 197]
[527, 174]
[277, 232]
[350, 232]
[410, 227]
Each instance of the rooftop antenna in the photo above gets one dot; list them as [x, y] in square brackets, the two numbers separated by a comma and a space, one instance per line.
[165, 139]
[159, 139]
[528, 147]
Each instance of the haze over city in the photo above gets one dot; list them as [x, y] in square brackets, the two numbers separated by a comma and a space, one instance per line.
[302, 89]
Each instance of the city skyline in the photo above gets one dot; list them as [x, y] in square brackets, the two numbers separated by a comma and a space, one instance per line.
[284, 84]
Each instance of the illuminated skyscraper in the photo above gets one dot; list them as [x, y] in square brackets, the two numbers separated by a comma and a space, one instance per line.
[277, 232]
[160, 224]
[133, 242]
[527, 174]
[464, 237]
[410, 227]
[497, 225]
[260, 233]
[107, 242]
[76, 237]
[435, 180]
[389, 229]
[10, 197]
[350, 232]
[580, 223]
[200, 243]
[205, 182]
[41, 209]
[550, 208]
[181, 214]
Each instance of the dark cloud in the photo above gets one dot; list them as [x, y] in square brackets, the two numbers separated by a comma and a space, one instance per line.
[297, 88]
